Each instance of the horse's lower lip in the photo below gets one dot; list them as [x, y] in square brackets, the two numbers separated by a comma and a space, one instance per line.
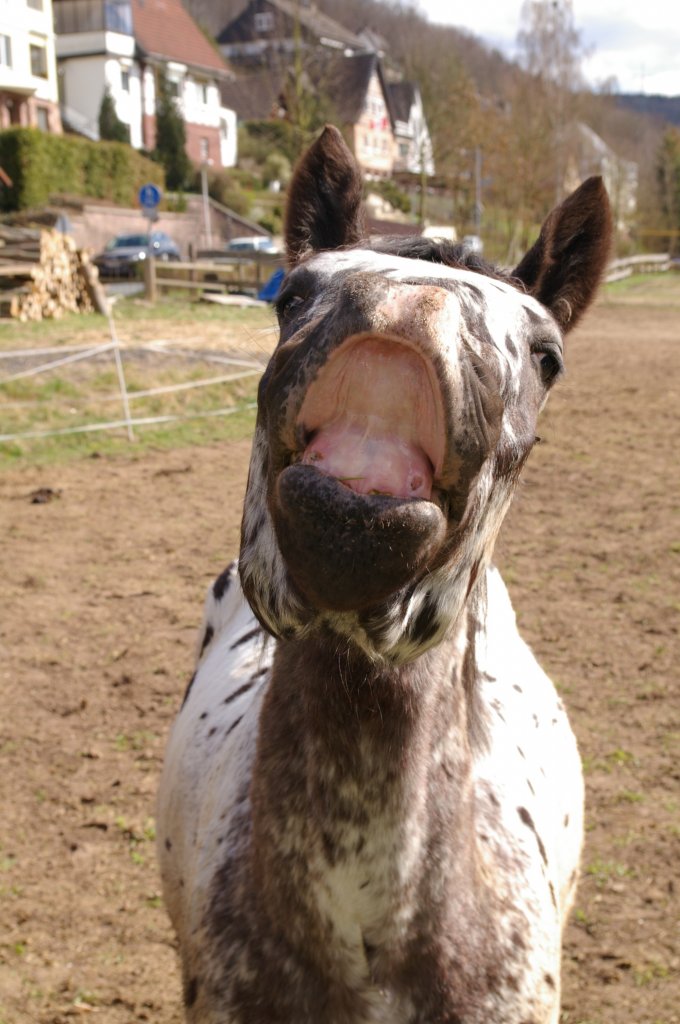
[348, 551]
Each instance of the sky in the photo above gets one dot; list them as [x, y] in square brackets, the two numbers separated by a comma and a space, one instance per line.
[635, 41]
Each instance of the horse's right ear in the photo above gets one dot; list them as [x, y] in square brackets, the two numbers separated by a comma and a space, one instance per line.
[324, 198]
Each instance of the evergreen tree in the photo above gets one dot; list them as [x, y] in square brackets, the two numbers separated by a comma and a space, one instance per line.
[111, 128]
[171, 138]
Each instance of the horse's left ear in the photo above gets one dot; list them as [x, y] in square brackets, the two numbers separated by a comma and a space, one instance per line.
[565, 265]
[324, 198]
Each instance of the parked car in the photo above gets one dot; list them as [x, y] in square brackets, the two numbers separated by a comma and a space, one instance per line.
[124, 254]
[248, 245]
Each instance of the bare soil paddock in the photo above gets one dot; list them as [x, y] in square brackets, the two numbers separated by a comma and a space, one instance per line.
[102, 593]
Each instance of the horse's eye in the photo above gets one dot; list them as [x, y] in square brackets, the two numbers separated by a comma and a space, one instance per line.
[549, 363]
[288, 305]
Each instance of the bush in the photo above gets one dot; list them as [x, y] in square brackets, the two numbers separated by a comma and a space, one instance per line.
[391, 192]
[224, 188]
[237, 201]
[40, 165]
[258, 139]
[272, 220]
[277, 168]
[111, 128]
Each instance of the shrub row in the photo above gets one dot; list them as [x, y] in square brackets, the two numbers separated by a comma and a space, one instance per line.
[40, 165]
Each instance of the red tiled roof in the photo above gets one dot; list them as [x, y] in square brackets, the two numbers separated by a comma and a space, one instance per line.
[164, 29]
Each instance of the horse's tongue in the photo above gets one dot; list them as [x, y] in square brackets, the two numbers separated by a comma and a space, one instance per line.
[364, 455]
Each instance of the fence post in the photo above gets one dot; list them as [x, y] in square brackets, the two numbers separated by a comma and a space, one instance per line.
[150, 287]
[121, 376]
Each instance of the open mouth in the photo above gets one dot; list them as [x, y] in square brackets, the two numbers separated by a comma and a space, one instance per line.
[358, 512]
[373, 419]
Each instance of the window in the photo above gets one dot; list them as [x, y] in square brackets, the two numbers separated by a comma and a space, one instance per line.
[37, 5]
[224, 129]
[125, 80]
[5, 50]
[202, 90]
[38, 60]
[173, 88]
[264, 21]
[42, 119]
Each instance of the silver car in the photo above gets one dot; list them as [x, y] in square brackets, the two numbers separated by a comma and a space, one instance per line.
[124, 254]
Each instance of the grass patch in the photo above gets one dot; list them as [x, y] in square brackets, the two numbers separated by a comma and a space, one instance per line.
[629, 796]
[86, 393]
[201, 423]
[605, 871]
[650, 973]
[663, 288]
[76, 328]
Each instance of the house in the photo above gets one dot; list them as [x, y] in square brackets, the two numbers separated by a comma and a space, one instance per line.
[587, 153]
[413, 145]
[358, 90]
[384, 124]
[124, 45]
[28, 71]
[257, 96]
[281, 46]
[351, 90]
[268, 32]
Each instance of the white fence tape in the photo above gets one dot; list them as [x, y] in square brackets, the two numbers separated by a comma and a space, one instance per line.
[165, 390]
[77, 353]
[140, 422]
[44, 367]
[54, 350]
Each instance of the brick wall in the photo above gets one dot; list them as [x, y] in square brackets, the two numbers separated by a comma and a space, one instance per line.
[195, 133]
[195, 149]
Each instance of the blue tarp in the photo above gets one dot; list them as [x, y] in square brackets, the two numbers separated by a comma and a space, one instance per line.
[270, 290]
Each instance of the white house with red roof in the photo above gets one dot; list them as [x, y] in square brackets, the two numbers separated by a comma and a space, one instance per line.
[28, 70]
[124, 45]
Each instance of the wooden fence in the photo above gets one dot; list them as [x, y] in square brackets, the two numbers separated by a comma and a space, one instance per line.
[647, 263]
[222, 274]
[246, 275]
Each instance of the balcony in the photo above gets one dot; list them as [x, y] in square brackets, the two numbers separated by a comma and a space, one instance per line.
[73, 16]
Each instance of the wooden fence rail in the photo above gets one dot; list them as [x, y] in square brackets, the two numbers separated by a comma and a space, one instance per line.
[247, 275]
[220, 274]
[647, 263]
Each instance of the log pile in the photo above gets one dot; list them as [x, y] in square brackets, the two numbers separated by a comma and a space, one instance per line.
[44, 275]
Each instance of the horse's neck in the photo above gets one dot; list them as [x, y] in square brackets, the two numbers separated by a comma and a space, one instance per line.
[361, 773]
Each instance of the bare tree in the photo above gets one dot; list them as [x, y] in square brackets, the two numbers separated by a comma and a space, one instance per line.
[551, 52]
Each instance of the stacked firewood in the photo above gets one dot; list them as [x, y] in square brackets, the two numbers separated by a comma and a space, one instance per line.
[44, 275]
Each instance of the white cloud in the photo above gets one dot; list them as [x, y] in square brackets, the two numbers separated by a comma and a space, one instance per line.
[636, 43]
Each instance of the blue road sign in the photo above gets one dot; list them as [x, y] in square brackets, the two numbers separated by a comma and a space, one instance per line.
[149, 197]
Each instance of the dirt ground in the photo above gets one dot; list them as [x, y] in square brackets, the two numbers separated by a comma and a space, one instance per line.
[102, 593]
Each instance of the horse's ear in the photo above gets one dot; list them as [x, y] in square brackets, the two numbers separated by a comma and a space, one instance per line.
[565, 265]
[324, 198]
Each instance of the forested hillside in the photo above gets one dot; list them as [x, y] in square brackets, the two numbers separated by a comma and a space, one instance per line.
[523, 119]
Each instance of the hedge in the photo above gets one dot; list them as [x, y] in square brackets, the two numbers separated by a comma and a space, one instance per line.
[40, 165]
